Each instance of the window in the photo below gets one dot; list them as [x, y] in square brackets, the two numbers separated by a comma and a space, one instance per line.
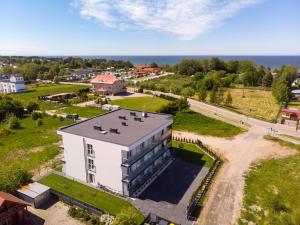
[90, 150]
[142, 145]
[91, 165]
[91, 178]
[162, 132]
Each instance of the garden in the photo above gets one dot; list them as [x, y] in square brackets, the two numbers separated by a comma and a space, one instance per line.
[106, 202]
[278, 202]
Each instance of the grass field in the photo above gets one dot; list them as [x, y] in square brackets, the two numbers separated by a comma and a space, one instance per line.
[260, 104]
[84, 112]
[197, 123]
[34, 92]
[150, 104]
[295, 105]
[272, 193]
[104, 201]
[192, 153]
[31, 145]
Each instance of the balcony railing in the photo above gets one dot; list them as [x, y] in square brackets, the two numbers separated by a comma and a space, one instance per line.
[145, 150]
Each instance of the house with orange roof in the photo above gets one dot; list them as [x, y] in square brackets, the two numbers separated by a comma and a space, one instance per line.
[108, 84]
[12, 209]
[145, 70]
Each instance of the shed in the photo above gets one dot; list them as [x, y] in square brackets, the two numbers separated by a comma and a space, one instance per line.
[35, 193]
[106, 107]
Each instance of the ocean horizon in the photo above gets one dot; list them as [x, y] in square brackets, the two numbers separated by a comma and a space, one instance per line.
[273, 62]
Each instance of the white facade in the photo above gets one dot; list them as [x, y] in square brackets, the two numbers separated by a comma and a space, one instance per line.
[121, 169]
[12, 85]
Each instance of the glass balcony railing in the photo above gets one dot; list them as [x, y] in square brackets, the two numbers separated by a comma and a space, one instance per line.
[146, 149]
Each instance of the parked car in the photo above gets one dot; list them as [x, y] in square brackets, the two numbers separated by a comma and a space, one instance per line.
[72, 116]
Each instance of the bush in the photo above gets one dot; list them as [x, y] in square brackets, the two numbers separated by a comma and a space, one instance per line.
[54, 116]
[36, 115]
[127, 217]
[14, 123]
[31, 106]
[61, 118]
[39, 122]
[5, 132]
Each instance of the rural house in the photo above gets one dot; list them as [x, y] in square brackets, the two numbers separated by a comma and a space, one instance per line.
[108, 84]
[120, 151]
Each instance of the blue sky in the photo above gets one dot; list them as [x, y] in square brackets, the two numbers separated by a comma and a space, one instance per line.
[150, 27]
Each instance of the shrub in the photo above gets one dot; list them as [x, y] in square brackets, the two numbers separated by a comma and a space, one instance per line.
[14, 123]
[5, 132]
[31, 106]
[54, 116]
[36, 115]
[127, 217]
[61, 118]
[39, 122]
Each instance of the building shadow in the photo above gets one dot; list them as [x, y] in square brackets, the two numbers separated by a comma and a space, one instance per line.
[52, 200]
[33, 219]
[173, 183]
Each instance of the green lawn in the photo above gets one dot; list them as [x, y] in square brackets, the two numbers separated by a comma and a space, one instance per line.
[84, 112]
[104, 201]
[192, 153]
[295, 105]
[34, 92]
[197, 123]
[150, 104]
[272, 193]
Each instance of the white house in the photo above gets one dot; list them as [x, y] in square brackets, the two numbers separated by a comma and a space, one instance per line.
[15, 83]
[120, 150]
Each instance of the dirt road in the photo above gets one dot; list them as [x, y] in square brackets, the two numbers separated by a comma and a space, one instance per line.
[225, 199]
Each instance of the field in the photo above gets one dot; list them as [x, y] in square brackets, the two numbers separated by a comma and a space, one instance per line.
[104, 201]
[295, 105]
[84, 112]
[192, 153]
[31, 145]
[45, 89]
[272, 194]
[150, 104]
[197, 123]
[259, 104]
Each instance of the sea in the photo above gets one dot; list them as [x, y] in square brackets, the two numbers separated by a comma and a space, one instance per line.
[273, 62]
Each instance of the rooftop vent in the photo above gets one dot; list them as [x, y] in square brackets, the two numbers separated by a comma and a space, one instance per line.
[132, 114]
[122, 117]
[144, 114]
[104, 132]
[138, 119]
[98, 128]
[113, 130]
[124, 124]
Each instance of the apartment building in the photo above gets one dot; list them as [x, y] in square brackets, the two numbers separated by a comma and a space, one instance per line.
[12, 84]
[119, 150]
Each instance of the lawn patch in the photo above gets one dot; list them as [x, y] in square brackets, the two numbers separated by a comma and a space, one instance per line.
[150, 104]
[102, 200]
[192, 153]
[191, 121]
[272, 194]
[85, 112]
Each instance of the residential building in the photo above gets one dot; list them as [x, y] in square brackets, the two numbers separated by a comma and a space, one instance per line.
[11, 84]
[12, 209]
[290, 117]
[108, 84]
[119, 151]
[146, 70]
[296, 94]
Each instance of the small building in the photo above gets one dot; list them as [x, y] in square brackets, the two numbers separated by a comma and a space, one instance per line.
[12, 209]
[35, 193]
[12, 84]
[108, 84]
[146, 70]
[110, 107]
[59, 97]
[296, 95]
[290, 117]
[120, 151]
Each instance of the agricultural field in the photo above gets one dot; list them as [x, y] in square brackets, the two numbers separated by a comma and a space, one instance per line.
[278, 202]
[102, 200]
[84, 112]
[294, 105]
[191, 121]
[45, 89]
[151, 104]
[259, 104]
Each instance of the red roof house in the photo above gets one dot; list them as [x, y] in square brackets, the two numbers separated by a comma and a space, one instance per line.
[12, 209]
[144, 70]
[108, 84]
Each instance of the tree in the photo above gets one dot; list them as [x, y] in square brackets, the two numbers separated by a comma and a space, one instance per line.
[188, 92]
[31, 106]
[213, 95]
[267, 80]
[202, 94]
[228, 100]
[39, 122]
[127, 217]
[56, 79]
[281, 91]
[220, 96]
[153, 65]
[14, 123]
[216, 64]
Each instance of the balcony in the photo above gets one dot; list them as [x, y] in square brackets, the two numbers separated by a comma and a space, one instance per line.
[145, 150]
[92, 168]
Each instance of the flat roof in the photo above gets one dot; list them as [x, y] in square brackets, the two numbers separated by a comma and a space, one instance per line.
[127, 135]
[33, 189]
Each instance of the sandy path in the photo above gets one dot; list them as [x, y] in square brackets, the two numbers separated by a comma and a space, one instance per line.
[225, 198]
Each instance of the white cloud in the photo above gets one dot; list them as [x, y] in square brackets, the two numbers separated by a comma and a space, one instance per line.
[186, 19]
